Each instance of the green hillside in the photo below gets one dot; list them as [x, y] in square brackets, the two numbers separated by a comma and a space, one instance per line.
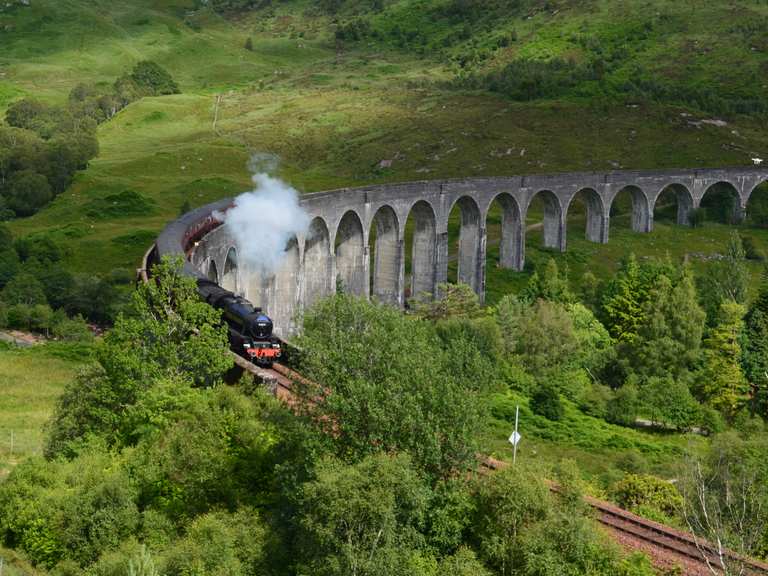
[334, 108]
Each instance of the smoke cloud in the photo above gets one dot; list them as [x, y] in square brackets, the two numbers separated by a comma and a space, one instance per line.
[263, 221]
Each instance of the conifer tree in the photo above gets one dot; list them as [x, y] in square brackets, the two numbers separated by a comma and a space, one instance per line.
[551, 286]
[726, 280]
[622, 307]
[722, 384]
[669, 338]
[755, 346]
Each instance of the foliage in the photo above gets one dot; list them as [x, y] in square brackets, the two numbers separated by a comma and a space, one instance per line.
[27, 192]
[551, 286]
[722, 383]
[456, 301]
[623, 301]
[153, 79]
[220, 543]
[75, 509]
[670, 402]
[379, 375]
[546, 402]
[198, 450]
[624, 406]
[726, 280]
[143, 565]
[170, 333]
[751, 250]
[519, 528]
[363, 519]
[544, 338]
[669, 337]
[725, 496]
[648, 496]
[23, 289]
[755, 349]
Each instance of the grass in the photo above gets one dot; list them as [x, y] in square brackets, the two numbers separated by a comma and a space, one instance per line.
[30, 382]
[603, 451]
[331, 116]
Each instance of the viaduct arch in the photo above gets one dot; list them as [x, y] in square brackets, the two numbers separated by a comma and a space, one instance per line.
[357, 237]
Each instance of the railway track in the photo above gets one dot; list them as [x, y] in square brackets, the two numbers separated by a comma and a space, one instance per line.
[666, 546]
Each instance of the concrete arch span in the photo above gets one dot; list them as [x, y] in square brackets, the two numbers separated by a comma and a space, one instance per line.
[386, 246]
[596, 222]
[512, 241]
[424, 249]
[229, 278]
[641, 214]
[723, 203]
[471, 244]
[351, 256]
[683, 197]
[751, 190]
[318, 263]
[553, 234]
[755, 204]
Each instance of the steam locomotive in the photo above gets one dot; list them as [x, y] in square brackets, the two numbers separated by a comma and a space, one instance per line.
[250, 330]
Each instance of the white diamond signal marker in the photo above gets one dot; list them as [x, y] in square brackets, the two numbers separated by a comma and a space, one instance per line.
[515, 438]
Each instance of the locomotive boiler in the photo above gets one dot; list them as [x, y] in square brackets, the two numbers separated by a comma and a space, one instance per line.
[250, 330]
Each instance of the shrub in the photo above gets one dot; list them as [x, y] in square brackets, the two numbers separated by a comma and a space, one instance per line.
[220, 543]
[122, 204]
[72, 330]
[363, 518]
[153, 79]
[27, 192]
[546, 402]
[623, 407]
[650, 494]
[594, 401]
[371, 355]
[23, 289]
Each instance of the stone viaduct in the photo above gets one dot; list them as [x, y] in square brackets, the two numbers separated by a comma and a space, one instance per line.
[357, 236]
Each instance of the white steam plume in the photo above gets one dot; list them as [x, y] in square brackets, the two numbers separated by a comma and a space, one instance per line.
[263, 221]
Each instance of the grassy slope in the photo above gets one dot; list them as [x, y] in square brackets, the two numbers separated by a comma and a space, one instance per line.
[30, 382]
[602, 450]
[333, 116]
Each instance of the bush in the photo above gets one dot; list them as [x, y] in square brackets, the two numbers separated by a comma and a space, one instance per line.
[220, 543]
[527, 80]
[153, 79]
[363, 518]
[546, 402]
[72, 330]
[23, 289]
[655, 497]
[624, 406]
[370, 355]
[27, 192]
[594, 401]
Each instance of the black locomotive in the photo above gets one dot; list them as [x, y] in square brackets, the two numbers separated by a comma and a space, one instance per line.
[250, 330]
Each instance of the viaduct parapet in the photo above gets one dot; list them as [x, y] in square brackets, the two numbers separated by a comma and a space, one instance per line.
[357, 236]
